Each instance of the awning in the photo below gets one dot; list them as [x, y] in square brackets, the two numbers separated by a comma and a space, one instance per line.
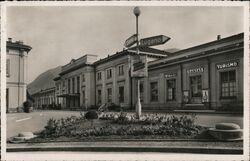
[69, 95]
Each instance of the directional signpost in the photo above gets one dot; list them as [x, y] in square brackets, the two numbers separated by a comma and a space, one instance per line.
[131, 41]
[155, 40]
[139, 62]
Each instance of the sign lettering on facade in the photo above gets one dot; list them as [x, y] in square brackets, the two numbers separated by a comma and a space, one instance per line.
[227, 65]
[195, 70]
[130, 41]
[170, 75]
[139, 66]
[155, 40]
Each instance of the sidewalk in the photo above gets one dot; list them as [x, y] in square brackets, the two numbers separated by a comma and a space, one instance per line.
[134, 146]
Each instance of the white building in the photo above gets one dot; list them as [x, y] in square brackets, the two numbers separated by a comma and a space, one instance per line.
[16, 73]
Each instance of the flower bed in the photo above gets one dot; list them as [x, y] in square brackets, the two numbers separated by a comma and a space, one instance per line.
[124, 125]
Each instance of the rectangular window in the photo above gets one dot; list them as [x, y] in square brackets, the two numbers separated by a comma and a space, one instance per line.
[154, 91]
[99, 96]
[8, 67]
[69, 86]
[171, 90]
[195, 84]
[121, 70]
[73, 85]
[99, 76]
[109, 91]
[228, 84]
[78, 84]
[109, 73]
[83, 78]
[121, 94]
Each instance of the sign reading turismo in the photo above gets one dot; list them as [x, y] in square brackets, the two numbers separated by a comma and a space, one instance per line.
[155, 40]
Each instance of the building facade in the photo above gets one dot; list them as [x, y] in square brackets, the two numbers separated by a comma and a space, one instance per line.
[16, 73]
[205, 77]
[208, 76]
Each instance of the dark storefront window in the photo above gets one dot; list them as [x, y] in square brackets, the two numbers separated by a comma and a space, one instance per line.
[121, 94]
[228, 84]
[73, 85]
[109, 90]
[141, 92]
[78, 84]
[171, 89]
[195, 83]
[99, 96]
[83, 97]
[154, 91]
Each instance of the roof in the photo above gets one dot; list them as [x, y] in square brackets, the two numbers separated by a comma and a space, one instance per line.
[151, 52]
[217, 46]
[74, 64]
[18, 45]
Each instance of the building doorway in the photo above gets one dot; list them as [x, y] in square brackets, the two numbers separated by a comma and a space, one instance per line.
[196, 89]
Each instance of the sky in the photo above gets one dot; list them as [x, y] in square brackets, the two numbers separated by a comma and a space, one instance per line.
[58, 34]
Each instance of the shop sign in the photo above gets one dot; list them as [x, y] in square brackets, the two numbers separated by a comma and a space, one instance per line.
[185, 96]
[196, 70]
[155, 40]
[139, 66]
[170, 75]
[205, 96]
[227, 65]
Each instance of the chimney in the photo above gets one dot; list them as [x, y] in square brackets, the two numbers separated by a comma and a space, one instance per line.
[218, 37]
[19, 42]
[10, 39]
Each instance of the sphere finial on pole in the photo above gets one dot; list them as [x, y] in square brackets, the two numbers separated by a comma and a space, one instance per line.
[137, 11]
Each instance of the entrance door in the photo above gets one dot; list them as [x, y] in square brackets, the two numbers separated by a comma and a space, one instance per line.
[196, 89]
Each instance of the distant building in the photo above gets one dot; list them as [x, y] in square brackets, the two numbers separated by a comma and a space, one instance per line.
[16, 72]
[43, 89]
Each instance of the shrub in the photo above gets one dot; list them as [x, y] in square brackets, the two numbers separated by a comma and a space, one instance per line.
[90, 115]
[113, 107]
[26, 106]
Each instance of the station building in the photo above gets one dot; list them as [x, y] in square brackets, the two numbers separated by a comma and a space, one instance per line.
[16, 74]
[205, 77]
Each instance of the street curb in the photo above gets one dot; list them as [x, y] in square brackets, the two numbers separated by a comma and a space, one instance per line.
[131, 140]
[200, 150]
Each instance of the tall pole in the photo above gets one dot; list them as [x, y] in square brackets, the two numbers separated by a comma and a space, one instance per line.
[138, 103]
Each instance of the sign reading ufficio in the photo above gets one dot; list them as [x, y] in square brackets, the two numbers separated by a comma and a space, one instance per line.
[139, 66]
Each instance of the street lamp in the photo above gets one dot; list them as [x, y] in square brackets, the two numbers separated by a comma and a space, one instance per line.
[138, 103]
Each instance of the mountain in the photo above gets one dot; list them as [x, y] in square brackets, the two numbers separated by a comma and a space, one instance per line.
[44, 80]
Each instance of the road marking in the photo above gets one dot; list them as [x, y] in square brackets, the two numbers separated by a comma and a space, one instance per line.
[11, 118]
[24, 119]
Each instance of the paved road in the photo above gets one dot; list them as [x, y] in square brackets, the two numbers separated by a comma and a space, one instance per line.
[35, 121]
